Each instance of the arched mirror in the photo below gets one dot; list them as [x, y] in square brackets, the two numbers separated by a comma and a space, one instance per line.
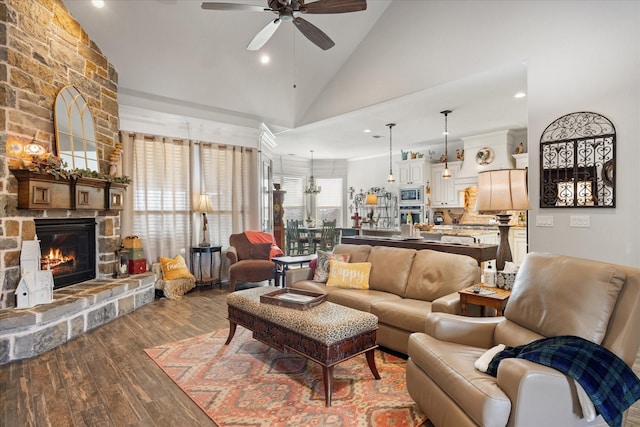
[75, 133]
[577, 162]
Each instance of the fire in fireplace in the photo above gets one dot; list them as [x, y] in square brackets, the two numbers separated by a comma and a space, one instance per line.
[68, 248]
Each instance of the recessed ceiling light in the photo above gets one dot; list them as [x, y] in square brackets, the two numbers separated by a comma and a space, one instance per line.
[98, 3]
[520, 95]
[264, 59]
[367, 131]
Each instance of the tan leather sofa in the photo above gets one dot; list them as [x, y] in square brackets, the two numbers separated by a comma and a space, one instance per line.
[553, 295]
[404, 286]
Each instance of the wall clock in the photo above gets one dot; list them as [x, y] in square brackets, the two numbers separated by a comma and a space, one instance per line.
[485, 156]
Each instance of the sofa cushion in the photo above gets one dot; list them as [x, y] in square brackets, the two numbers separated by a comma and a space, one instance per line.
[357, 253]
[435, 274]
[406, 314]
[360, 299]
[585, 293]
[390, 268]
[260, 251]
[242, 245]
[349, 275]
[321, 273]
[451, 367]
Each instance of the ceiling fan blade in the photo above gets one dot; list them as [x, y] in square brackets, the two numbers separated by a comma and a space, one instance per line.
[212, 5]
[314, 34]
[334, 6]
[264, 35]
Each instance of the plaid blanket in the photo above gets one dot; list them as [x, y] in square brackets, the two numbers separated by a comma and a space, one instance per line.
[609, 382]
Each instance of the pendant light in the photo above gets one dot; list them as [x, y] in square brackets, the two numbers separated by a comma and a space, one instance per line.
[390, 179]
[312, 189]
[446, 173]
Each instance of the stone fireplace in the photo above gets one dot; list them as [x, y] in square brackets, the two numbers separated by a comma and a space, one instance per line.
[68, 248]
[46, 50]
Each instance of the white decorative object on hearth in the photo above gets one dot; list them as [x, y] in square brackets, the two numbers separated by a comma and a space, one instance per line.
[36, 285]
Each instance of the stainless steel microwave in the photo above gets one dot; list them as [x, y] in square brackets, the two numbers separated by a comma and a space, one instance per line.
[412, 194]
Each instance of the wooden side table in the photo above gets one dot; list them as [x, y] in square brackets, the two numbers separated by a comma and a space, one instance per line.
[199, 251]
[487, 297]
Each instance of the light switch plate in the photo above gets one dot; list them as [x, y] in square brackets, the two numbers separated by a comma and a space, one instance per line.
[544, 221]
[582, 221]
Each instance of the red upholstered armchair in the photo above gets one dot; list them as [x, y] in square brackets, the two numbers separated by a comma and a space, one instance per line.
[250, 256]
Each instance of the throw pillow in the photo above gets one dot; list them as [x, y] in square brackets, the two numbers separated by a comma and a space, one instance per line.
[174, 268]
[260, 250]
[322, 265]
[349, 275]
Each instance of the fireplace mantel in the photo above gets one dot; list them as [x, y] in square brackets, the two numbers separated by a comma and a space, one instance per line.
[40, 191]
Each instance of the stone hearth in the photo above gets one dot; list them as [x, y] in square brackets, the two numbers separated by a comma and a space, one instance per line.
[75, 309]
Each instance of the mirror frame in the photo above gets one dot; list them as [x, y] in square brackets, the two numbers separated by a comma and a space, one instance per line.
[577, 162]
[76, 143]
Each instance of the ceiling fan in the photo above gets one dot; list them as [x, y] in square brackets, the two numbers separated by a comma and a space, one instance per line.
[289, 10]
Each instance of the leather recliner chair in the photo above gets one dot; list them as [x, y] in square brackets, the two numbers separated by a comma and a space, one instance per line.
[553, 295]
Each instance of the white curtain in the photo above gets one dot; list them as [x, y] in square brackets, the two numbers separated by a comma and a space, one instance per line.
[229, 177]
[162, 209]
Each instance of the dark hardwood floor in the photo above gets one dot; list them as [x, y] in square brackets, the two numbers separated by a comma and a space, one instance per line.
[104, 378]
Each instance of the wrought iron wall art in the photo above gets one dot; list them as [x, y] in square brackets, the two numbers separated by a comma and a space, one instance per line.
[384, 214]
[577, 162]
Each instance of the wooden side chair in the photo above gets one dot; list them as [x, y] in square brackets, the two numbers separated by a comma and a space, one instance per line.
[327, 239]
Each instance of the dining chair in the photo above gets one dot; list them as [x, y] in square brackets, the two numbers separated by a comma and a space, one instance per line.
[327, 239]
[297, 244]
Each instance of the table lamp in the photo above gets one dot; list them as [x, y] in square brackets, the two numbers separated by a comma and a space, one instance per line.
[204, 205]
[371, 200]
[500, 191]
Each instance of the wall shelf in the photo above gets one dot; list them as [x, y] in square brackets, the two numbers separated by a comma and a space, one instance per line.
[41, 191]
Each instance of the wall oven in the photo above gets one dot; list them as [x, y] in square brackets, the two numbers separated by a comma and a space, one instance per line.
[417, 213]
[412, 195]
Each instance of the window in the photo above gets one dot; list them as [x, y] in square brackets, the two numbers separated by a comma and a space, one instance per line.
[329, 200]
[228, 173]
[294, 208]
[162, 195]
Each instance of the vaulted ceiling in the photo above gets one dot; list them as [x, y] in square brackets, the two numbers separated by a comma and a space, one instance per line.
[173, 56]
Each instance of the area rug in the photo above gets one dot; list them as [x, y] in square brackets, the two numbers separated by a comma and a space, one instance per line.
[247, 383]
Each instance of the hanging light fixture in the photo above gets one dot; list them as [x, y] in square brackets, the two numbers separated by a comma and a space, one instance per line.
[446, 173]
[390, 179]
[312, 189]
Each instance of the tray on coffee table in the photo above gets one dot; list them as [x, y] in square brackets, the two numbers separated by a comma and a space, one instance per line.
[298, 299]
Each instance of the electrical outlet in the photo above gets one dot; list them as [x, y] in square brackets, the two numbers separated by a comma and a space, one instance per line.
[582, 221]
[544, 221]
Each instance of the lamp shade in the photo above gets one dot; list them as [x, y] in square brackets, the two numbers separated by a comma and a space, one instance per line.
[502, 190]
[372, 199]
[203, 204]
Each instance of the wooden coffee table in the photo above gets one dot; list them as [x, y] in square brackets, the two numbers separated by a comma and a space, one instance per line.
[497, 299]
[326, 334]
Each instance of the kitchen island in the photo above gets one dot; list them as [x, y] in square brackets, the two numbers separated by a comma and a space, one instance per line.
[481, 252]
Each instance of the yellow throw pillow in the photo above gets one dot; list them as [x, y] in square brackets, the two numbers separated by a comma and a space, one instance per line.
[174, 268]
[349, 275]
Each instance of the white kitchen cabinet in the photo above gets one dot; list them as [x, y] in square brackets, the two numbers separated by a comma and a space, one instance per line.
[518, 244]
[443, 191]
[522, 160]
[413, 171]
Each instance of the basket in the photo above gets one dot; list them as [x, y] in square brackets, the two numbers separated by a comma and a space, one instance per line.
[505, 280]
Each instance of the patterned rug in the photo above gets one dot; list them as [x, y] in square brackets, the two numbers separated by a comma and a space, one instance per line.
[249, 384]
